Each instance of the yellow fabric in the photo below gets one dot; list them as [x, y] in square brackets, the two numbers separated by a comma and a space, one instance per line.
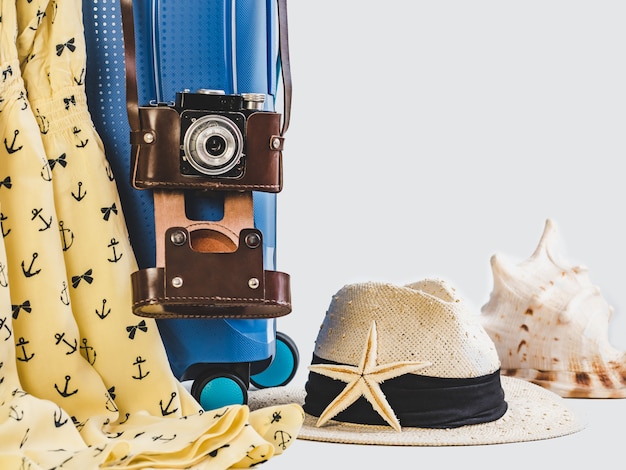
[83, 381]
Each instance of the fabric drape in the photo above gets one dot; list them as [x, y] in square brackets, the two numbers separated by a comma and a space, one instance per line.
[78, 371]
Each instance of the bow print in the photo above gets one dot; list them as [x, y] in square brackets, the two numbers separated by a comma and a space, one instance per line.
[17, 308]
[69, 44]
[87, 277]
[107, 211]
[68, 101]
[132, 329]
[6, 182]
[61, 161]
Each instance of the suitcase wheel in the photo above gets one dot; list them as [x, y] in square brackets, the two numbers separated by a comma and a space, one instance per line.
[282, 368]
[215, 390]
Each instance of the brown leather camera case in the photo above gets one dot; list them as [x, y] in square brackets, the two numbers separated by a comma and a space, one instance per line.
[155, 157]
[211, 285]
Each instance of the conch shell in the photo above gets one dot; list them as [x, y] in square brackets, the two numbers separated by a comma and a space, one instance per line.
[550, 325]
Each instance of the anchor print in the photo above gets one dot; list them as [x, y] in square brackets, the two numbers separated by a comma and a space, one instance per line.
[37, 214]
[81, 79]
[18, 308]
[46, 172]
[141, 373]
[78, 424]
[6, 73]
[29, 272]
[18, 393]
[6, 182]
[43, 122]
[99, 450]
[62, 464]
[126, 416]
[25, 357]
[69, 45]
[25, 438]
[22, 96]
[57, 418]
[80, 196]
[60, 337]
[132, 329]
[4, 324]
[71, 100]
[12, 148]
[87, 277]
[2, 219]
[4, 281]
[40, 15]
[219, 415]
[252, 447]
[65, 295]
[109, 173]
[83, 143]
[61, 161]
[166, 411]
[54, 13]
[160, 437]
[107, 211]
[65, 234]
[110, 404]
[112, 245]
[88, 350]
[65, 393]
[285, 438]
[102, 314]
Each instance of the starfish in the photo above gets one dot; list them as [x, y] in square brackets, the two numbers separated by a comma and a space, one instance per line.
[364, 380]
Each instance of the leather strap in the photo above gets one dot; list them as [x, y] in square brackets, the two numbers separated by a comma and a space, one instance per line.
[283, 45]
[132, 101]
[151, 300]
[211, 284]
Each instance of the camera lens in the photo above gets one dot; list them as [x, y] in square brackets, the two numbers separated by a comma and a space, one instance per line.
[213, 144]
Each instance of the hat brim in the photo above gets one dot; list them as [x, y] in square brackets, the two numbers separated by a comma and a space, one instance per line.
[533, 413]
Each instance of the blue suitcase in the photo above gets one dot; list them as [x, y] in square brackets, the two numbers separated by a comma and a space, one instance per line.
[196, 44]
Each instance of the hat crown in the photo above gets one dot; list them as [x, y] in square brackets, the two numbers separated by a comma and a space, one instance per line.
[423, 321]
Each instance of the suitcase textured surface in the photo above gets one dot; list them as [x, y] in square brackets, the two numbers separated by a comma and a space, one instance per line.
[216, 44]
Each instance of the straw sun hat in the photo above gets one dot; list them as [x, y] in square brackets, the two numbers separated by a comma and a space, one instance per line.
[411, 365]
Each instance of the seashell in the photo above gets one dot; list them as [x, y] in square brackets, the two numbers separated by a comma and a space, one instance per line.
[550, 325]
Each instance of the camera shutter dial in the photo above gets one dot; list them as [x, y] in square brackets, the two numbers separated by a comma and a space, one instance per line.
[213, 144]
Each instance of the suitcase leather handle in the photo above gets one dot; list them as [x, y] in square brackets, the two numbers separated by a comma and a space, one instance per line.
[132, 100]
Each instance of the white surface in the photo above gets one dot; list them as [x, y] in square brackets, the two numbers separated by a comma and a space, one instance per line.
[427, 136]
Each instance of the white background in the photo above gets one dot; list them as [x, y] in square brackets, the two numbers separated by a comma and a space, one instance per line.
[426, 137]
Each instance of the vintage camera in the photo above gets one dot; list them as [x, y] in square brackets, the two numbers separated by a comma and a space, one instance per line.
[208, 149]
[213, 132]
